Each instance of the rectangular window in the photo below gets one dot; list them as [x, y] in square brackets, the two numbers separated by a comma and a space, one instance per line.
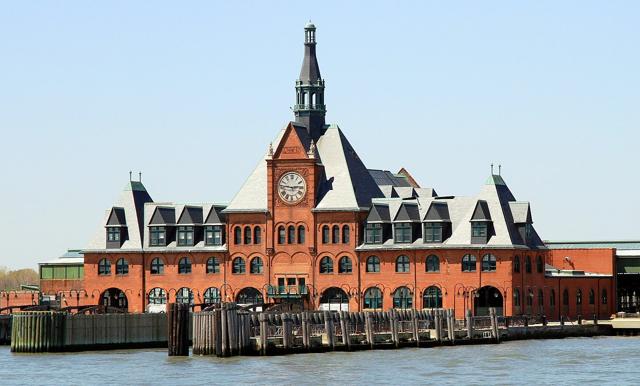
[73, 272]
[213, 235]
[59, 273]
[432, 232]
[46, 273]
[185, 235]
[158, 236]
[479, 229]
[373, 234]
[403, 233]
[113, 234]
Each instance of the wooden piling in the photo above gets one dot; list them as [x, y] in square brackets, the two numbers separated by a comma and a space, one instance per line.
[414, 327]
[344, 327]
[305, 331]
[328, 326]
[469, 322]
[369, 329]
[178, 329]
[262, 318]
[451, 325]
[286, 331]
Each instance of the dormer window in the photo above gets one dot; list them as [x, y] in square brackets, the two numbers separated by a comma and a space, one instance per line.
[479, 229]
[185, 236]
[213, 235]
[403, 233]
[158, 236]
[433, 232]
[373, 234]
[113, 234]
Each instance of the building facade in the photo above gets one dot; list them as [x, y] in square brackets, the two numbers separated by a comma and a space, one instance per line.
[314, 227]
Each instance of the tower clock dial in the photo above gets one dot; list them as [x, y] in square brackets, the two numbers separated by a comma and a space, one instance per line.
[292, 187]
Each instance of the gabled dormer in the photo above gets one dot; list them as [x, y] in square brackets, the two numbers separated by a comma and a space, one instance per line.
[116, 228]
[189, 227]
[436, 223]
[162, 226]
[481, 223]
[406, 223]
[214, 227]
[378, 224]
[521, 213]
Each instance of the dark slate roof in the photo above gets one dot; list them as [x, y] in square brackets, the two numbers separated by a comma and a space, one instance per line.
[385, 177]
[310, 71]
[163, 216]
[117, 217]
[379, 213]
[408, 211]
[191, 215]
[481, 213]
[215, 216]
[438, 211]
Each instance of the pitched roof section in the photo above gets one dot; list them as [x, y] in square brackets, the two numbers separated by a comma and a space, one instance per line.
[481, 213]
[132, 200]
[215, 217]
[163, 215]
[191, 215]
[379, 213]
[117, 217]
[385, 177]
[438, 211]
[408, 212]
[521, 212]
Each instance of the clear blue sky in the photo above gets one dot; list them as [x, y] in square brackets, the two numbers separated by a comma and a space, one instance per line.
[191, 93]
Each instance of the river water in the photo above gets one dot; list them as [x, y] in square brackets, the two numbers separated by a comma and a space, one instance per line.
[602, 360]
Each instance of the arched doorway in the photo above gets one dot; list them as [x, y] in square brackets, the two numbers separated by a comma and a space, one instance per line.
[334, 299]
[486, 298]
[114, 297]
[249, 295]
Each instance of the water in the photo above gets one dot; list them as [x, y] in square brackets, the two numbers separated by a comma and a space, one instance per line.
[603, 360]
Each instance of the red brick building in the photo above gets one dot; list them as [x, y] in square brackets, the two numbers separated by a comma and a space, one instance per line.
[312, 225]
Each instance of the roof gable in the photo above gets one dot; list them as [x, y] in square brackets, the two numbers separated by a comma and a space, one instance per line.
[294, 144]
[163, 216]
[215, 216]
[408, 211]
[521, 212]
[191, 215]
[481, 212]
[117, 217]
[379, 213]
[438, 211]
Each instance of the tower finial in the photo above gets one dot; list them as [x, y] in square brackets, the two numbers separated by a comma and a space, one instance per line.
[499, 170]
[130, 176]
[492, 168]
[139, 176]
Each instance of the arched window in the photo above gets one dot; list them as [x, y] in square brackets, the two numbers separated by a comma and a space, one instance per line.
[157, 296]
[325, 234]
[344, 265]
[237, 235]
[247, 235]
[122, 267]
[184, 265]
[402, 298]
[372, 299]
[433, 264]
[249, 295]
[468, 263]
[604, 296]
[184, 296]
[539, 264]
[432, 297]
[257, 235]
[488, 263]
[579, 297]
[565, 297]
[529, 297]
[213, 265]
[238, 266]
[540, 299]
[211, 296]
[104, 267]
[346, 234]
[516, 264]
[516, 297]
[592, 296]
[291, 239]
[157, 266]
[336, 234]
[527, 264]
[301, 234]
[373, 264]
[552, 298]
[282, 236]
[326, 265]
[256, 265]
[402, 263]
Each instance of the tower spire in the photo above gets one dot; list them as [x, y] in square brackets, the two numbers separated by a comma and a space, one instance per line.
[310, 109]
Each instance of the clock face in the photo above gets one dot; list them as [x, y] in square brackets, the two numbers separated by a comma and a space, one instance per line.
[292, 187]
